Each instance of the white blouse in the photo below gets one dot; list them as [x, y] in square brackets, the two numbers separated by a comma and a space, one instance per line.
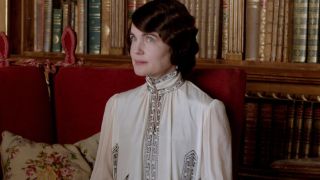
[165, 129]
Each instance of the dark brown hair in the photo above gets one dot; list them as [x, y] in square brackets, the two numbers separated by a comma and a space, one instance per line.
[176, 27]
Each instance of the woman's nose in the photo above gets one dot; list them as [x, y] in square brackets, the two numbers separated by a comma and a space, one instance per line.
[137, 47]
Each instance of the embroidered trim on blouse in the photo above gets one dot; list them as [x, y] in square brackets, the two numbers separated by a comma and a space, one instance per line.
[115, 153]
[151, 139]
[190, 162]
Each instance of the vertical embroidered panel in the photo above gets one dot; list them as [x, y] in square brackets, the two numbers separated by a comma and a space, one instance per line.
[151, 143]
[190, 162]
[115, 154]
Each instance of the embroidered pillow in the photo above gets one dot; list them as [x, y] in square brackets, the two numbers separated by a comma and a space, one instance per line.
[25, 159]
[89, 147]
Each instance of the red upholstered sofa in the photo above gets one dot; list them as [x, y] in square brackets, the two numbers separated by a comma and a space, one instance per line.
[74, 110]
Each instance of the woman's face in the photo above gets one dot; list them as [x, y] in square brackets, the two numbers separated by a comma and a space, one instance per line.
[149, 54]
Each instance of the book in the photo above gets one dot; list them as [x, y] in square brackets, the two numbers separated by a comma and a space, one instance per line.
[94, 26]
[105, 26]
[4, 16]
[300, 14]
[211, 33]
[118, 19]
[47, 25]
[297, 130]
[252, 29]
[262, 28]
[275, 29]
[264, 134]
[235, 30]
[56, 30]
[203, 21]
[290, 129]
[65, 14]
[313, 31]
[250, 134]
[225, 28]
[315, 134]
[279, 128]
[288, 24]
[82, 9]
[280, 32]
[39, 25]
[268, 31]
[306, 130]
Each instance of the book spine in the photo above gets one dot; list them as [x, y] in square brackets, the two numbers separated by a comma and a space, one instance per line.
[73, 14]
[290, 130]
[279, 129]
[4, 16]
[285, 57]
[298, 122]
[39, 25]
[56, 30]
[203, 19]
[94, 26]
[315, 150]
[300, 18]
[65, 14]
[48, 25]
[252, 27]
[250, 134]
[225, 28]
[117, 27]
[264, 129]
[280, 34]
[268, 32]
[275, 30]
[82, 26]
[105, 26]
[210, 29]
[313, 31]
[262, 28]
[306, 130]
[216, 30]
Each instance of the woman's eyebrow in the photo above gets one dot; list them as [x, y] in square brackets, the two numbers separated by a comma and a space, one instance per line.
[152, 34]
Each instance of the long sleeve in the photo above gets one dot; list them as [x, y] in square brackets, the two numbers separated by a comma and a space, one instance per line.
[103, 167]
[216, 144]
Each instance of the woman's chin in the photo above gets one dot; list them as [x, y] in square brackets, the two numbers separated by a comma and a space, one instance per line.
[139, 72]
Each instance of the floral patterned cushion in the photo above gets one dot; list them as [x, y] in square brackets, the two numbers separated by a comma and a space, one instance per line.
[89, 147]
[25, 159]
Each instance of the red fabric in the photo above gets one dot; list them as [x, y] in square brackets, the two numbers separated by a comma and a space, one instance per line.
[4, 46]
[80, 97]
[227, 85]
[24, 103]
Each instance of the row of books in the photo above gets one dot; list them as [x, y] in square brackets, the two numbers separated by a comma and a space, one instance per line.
[280, 129]
[283, 30]
[100, 25]
[265, 30]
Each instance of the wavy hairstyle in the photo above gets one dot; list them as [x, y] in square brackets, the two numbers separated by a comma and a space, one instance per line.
[176, 27]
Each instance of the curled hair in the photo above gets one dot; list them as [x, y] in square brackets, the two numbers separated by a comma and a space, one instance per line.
[176, 27]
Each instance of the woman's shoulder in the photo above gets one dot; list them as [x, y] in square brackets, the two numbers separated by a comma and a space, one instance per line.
[194, 92]
[131, 92]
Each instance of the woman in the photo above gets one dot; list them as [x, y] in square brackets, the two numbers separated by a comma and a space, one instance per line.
[167, 128]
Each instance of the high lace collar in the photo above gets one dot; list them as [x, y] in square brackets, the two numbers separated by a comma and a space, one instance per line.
[164, 84]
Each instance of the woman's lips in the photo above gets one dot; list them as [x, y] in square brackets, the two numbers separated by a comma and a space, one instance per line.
[140, 62]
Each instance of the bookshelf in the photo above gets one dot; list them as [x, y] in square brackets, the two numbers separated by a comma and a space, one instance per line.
[268, 81]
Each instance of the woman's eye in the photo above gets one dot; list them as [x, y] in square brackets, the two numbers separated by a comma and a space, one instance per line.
[132, 38]
[150, 39]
